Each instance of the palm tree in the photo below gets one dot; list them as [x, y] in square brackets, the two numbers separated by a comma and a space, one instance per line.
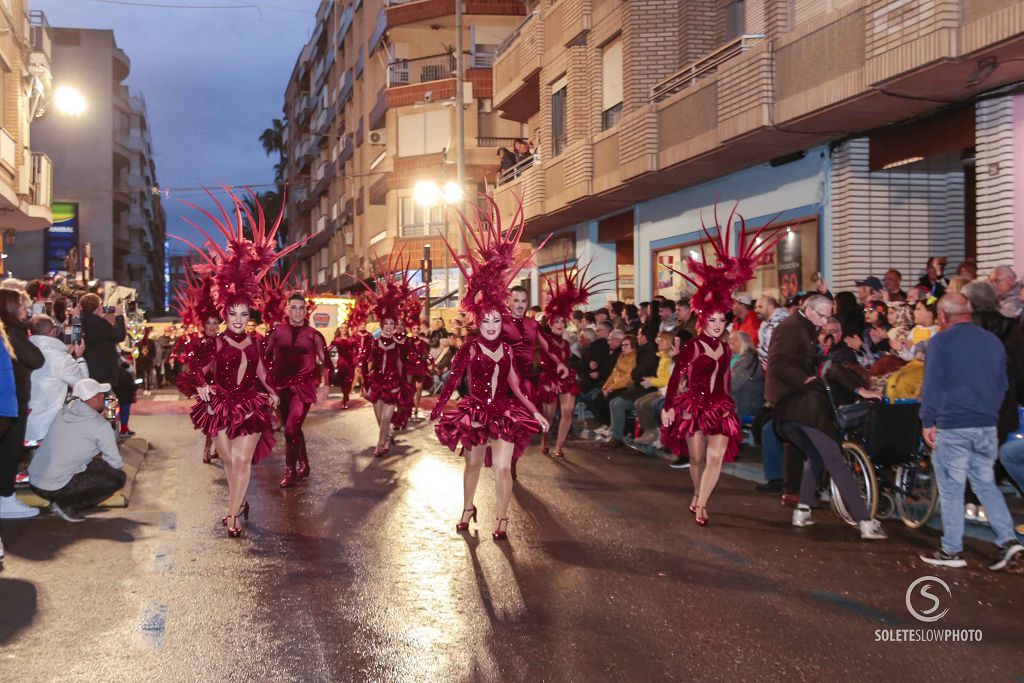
[271, 203]
[272, 140]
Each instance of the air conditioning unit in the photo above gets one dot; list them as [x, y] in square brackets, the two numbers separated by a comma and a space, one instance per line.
[378, 137]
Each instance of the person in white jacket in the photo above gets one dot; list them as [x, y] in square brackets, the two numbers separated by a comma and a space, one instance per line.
[63, 367]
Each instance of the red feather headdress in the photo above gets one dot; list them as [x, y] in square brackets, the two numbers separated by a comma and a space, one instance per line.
[275, 291]
[490, 264]
[238, 267]
[195, 300]
[716, 283]
[359, 314]
[574, 289]
[390, 300]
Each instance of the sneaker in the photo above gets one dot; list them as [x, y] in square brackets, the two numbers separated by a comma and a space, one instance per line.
[771, 486]
[971, 512]
[680, 464]
[1020, 529]
[802, 517]
[940, 558]
[982, 517]
[1010, 551]
[1, 552]
[871, 530]
[67, 514]
[603, 430]
[12, 508]
[646, 439]
[21, 479]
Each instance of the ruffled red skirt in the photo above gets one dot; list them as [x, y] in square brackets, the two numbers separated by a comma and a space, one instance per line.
[417, 369]
[707, 414]
[388, 391]
[240, 412]
[550, 387]
[473, 423]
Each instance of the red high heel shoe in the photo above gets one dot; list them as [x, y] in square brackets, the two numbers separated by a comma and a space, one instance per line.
[242, 512]
[693, 506]
[462, 526]
[302, 471]
[558, 454]
[234, 531]
[500, 534]
[701, 516]
[209, 457]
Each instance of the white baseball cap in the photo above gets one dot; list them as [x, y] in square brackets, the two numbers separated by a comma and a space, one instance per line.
[88, 387]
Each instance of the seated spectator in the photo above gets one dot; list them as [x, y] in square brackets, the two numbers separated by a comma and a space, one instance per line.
[443, 362]
[968, 270]
[437, 332]
[746, 376]
[618, 381]
[632, 316]
[63, 366]
[686, 321]
[924, 321]
[1004, 280]
[906, 382]
[869, 288]
[849, 312]
[934, 280]
[645, 369]
[65, 470]
[745, 319]
[876, 334]
[666, 316]
[648, 410]
[893, 293]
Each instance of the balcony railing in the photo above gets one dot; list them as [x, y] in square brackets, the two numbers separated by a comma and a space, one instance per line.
[42, 179]
[514, 172]
[40, 37]
[379, 28]
[421, 70]
[8, 150]
[496, 142]
[507, 43]
[421, 230]
[703, 67]
[483, 56]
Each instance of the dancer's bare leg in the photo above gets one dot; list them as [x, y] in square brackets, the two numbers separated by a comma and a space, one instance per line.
[377, 408]
[501, 463]
[697, 445]
[386, 412]
[567, 403]
[242, 449]
[223, 445]
[716, 447]
[416, 401]
[471, 477]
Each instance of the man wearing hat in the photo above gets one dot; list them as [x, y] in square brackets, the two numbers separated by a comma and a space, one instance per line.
[869, 288]
[746, 320]
[65, 469]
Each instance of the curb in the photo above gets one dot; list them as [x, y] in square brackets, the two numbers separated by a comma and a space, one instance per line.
[133, 452]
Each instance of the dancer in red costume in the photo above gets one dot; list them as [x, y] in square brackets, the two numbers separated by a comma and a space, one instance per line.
[553, 390]
[297, 358]
[494, 422]
[383, 359]
[197, 310]
[418, 365]
[357, 318]
[236, 400]
[346, 346]
[702, 420]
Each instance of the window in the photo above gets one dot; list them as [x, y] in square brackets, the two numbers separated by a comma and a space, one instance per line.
[734, 19]
[415, 220]
[559, 132]
[611, 84]
[424, 133]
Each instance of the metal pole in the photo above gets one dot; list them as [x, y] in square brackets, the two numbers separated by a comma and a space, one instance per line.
[460, 127]
[425, 270]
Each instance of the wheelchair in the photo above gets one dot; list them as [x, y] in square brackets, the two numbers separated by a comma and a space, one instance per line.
[882, 445]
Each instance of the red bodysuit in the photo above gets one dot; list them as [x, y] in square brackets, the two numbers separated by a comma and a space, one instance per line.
[417, 359]
[238, 403]
[382, 367]
[521, 334]
[495, 408]
[705, 405]
[550, 385]
[347, 349]
[296, 358]
[194, 353]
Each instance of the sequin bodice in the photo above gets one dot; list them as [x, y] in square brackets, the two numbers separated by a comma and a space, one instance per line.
[383, 361]
[705, 364]
[487, 372]
[348, 351]
[227, 361]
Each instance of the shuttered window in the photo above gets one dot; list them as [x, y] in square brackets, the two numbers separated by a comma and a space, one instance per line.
[424, 133]
[611, 84]
[559, 129]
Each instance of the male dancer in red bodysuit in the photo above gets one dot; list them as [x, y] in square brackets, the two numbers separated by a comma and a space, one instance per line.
[299, 372]
[523, 334]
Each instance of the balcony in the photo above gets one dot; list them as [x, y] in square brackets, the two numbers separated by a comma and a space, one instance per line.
[42, 180]
[122, 65]
[703, 67]
[345, 24]
[41, 43]
[424, 12]
[517, 66]
[421, 70]
[345, 87]
[8, 151]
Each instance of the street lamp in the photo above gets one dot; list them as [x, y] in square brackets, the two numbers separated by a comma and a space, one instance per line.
[429, 194]
[69, 101]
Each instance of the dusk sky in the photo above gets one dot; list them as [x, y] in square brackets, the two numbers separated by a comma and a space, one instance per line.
[213, 80]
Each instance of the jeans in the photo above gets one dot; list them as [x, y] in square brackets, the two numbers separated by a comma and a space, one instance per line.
[618, 407]
[771, 452]
[962, 454]
[1011, 454]
[647, 412]
[12, 446]
[98, 482]
[125, 413]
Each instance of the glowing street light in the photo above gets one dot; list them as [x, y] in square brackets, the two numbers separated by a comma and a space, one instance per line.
[69, 101]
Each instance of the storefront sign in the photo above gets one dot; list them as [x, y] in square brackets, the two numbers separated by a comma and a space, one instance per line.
[789, 265]
[61, 236]
[665, 276]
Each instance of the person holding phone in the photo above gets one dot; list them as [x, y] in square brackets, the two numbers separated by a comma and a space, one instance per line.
[63, 366]
[102, 332]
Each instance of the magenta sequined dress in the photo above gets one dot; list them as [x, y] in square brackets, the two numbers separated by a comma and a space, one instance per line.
[195, 353]
[240, 407]
[550, 385]
[705, 404]
[382, 363]
[493, 409]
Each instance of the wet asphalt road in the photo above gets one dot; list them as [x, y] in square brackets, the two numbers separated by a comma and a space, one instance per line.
[359, 575]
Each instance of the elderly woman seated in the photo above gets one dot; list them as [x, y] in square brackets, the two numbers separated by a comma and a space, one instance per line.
[746, 376]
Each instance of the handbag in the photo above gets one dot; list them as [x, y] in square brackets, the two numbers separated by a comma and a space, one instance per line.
[852, 416]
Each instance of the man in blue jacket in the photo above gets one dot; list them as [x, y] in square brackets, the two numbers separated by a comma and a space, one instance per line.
[964, 384]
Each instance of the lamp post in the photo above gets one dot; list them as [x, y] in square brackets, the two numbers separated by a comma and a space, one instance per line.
[429, 194]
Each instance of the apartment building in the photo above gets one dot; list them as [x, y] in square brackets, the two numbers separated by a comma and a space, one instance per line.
[880, 133]
[370, 110]
[25, 81]
[104, 171]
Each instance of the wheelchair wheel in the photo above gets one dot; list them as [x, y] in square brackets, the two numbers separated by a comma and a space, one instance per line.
[864, 475]
[916, 492]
